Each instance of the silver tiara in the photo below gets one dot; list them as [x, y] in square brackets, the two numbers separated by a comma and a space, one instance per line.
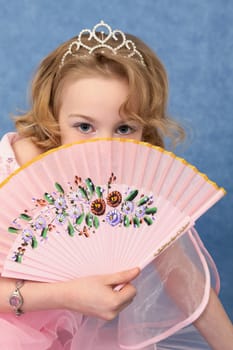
[102, 42]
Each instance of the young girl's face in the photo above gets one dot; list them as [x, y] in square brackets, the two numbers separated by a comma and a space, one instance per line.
[90, 109]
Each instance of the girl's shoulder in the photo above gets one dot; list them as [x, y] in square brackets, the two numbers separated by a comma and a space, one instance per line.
[24, 150]
[14, 152]
[8, 162]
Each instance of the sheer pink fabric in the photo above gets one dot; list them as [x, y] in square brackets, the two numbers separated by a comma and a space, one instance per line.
[172, 292]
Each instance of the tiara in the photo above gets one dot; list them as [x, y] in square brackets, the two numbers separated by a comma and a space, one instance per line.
[106, 33]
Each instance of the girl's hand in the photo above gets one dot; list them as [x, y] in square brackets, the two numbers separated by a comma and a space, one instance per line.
[95, 295]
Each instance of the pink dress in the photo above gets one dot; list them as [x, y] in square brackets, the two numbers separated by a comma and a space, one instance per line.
[172, 292]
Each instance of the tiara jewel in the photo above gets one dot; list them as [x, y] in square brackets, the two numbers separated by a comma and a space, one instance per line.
[106, 33]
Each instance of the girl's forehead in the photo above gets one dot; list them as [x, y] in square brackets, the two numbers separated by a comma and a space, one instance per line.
[96, 85]
[93, 93]
[85, 92]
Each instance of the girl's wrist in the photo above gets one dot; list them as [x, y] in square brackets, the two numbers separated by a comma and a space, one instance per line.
[16, 299]
[42, 296]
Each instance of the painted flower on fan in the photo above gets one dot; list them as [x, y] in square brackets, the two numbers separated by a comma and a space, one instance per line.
[98, 206]
[128, 207]
[40, 223]
[113, 217]
[74, 212]
[79, 210]
[61, 219]
[140, 212]
[27, 235]
[114, 198]
[60, 203]
[17, 255]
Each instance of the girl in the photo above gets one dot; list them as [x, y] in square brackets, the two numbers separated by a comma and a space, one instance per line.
[105, 83]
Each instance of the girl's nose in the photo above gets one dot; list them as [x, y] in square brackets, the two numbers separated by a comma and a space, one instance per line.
[105, 134]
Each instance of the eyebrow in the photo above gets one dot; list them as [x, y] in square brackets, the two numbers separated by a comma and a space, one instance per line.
[93, 120]
[81, 116]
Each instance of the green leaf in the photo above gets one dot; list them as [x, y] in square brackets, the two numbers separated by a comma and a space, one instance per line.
[13, 229]
[136, 221]
[19, 258]
[99, 191]
[25, 217]
[126, 221]
[89, 219]
[151, 210]
[71, 229]
[96, 222]
[132, 195]
[83, 192]
[90, 185]
[79, 220]
[44, 232]
[59, 187]
[143, 200]
[49, 198]
[148, 220]
[34, 243]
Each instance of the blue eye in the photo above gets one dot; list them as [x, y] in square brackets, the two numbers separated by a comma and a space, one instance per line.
[124, 129]
[84, 127]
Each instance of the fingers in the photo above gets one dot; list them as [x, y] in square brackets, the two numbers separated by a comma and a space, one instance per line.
[119, 302]
[122, 277]
[127, 293]
[95, 295]
[123, 296]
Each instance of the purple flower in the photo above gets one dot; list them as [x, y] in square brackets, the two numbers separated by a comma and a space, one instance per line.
[128, 207]
[27, 235]
[74, 212]
[60, 203]
[140, 212]
[113, 217]
[14, 256]
[60, 219]
[40, 223]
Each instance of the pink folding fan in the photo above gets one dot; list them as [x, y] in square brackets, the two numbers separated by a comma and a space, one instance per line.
[97, 207]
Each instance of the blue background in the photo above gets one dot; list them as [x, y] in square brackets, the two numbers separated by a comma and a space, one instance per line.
[194, 39]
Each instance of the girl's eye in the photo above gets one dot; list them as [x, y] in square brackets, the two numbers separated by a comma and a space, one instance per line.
[84, 127]
[124, 129]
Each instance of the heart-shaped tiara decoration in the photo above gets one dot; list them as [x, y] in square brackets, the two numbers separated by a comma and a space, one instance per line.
[101, 42]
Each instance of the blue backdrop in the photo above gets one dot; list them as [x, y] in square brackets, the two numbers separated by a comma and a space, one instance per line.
[194, 38]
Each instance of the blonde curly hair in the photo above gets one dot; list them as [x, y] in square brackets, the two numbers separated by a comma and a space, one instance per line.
[148, 85]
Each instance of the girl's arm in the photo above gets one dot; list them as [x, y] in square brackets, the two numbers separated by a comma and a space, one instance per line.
[93, 295]
[174, 267]
[215, 326]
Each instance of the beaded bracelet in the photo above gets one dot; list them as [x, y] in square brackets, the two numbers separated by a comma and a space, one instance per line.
[16, 299]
